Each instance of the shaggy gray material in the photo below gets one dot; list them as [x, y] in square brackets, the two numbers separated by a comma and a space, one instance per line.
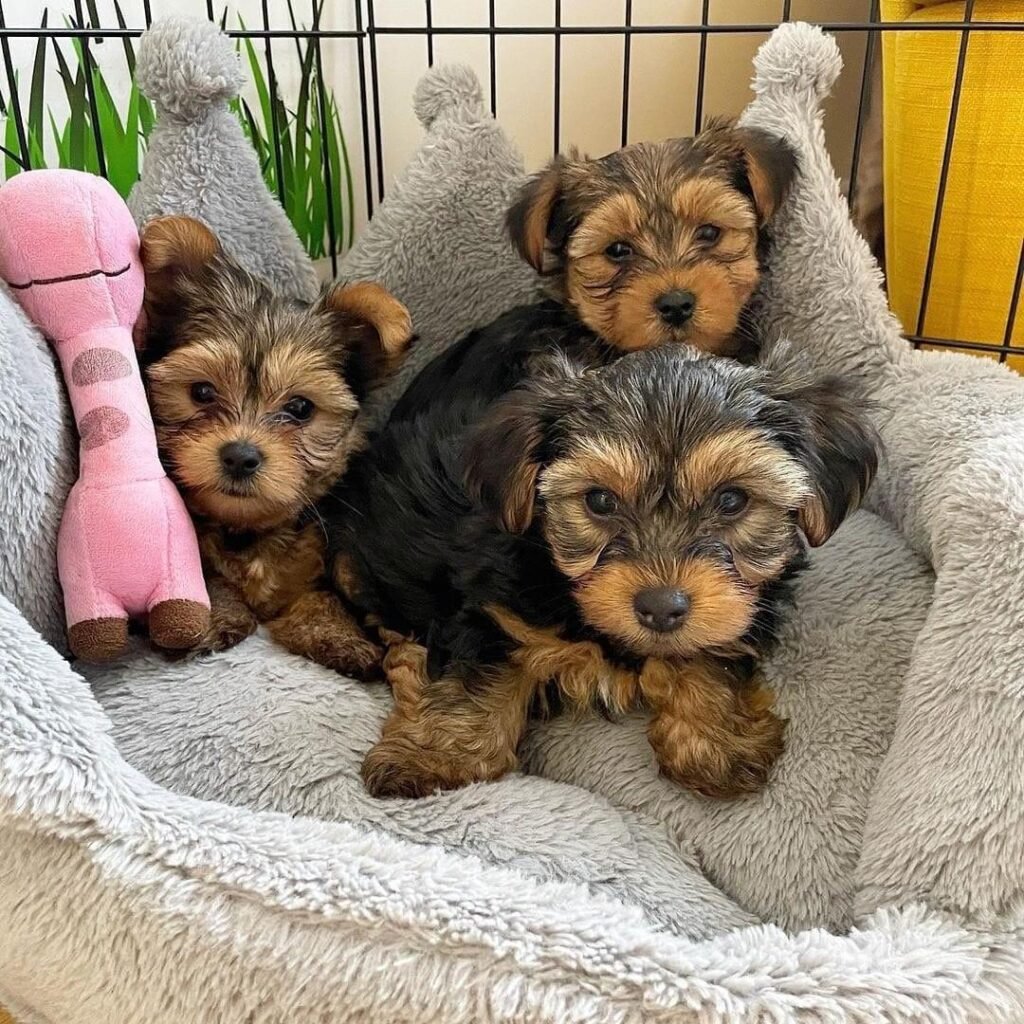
[438, 242]
[896, 809]
[198, 161]
[946, 817]
[278, 733]
[37, 468]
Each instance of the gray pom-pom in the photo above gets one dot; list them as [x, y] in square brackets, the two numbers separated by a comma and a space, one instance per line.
[186, 64]
[798, 54]
[447, 90]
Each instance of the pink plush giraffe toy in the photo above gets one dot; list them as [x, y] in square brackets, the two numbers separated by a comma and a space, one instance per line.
[69, 251]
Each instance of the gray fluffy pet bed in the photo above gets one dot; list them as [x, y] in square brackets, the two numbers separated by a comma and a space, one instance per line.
[190, 842]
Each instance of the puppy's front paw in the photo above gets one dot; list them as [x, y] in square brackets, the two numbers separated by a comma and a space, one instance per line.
[352, 656]
[396, 769]
[723, 762]
[225, 632]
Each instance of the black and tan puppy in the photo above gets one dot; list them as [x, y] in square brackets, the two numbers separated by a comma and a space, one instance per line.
[658, 241]
[653, 244]
[625, 534]
[255, 398]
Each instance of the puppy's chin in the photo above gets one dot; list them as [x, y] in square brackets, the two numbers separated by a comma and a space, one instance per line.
[239, 509]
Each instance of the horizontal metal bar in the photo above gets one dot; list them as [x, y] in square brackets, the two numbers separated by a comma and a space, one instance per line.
[694, 29]
[132, 33]
[540, 30]
[967, 346]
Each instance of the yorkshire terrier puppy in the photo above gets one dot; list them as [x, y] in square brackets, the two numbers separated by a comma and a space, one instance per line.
[659, 241]
[652, 244]
[254, 399]
[624, 536]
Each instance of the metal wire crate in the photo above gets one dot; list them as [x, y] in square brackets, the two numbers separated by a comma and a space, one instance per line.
[362, 42]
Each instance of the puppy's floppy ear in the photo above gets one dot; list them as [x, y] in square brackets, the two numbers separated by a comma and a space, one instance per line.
[501, 459]
[765, 164]
[825, 428]
[377, 330]
[536, 218]
[172, 249]
[175, 253]
[770, 166]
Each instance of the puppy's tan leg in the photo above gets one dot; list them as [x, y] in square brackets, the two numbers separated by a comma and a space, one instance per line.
[441, 735]
[318, 626]
[231, 619]
[708, 736]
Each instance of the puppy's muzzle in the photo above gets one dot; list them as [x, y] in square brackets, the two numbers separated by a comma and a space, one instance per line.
[661, 609]
[676, 307]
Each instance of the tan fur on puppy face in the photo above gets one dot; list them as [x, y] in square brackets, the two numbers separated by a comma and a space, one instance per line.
[301, 458]
[667, 532]
[660, 201]
[232, 362]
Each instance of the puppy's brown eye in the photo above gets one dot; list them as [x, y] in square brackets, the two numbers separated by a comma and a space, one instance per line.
[298, 408]
[731, 501]
[707, 233]
[601, 502]
[619, 251]
[203, 392]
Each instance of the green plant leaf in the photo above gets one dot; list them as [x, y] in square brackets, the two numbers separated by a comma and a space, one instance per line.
[302, 142]
[341, 173]
[61, 141]
[120, 147]
[260, 144]
[302, 109]
[11, 145]
[85, 133]
[315, 211]
[258, 79]
[36, 94]
[74, 89]
[36, 156]
[126, 42]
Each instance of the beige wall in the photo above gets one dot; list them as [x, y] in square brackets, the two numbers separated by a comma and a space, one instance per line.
[663, 76]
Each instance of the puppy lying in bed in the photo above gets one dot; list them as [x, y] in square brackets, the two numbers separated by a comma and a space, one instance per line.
[255, 399]
[621, 536]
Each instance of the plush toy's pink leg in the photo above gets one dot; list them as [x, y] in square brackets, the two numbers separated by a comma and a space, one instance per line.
[179, 608]
[97, 621]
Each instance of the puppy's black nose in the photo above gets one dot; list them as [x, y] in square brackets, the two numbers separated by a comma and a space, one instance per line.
[240, 459]
[661, 608]
[676, 307]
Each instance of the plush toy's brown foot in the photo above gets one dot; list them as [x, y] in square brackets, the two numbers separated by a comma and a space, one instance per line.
[178, 625]
[98, 639]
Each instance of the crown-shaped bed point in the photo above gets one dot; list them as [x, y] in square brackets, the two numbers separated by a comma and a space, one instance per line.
[448, 91]
[187, 64]
[800, 57]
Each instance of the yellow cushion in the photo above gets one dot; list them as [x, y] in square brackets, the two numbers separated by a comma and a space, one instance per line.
[983, 214]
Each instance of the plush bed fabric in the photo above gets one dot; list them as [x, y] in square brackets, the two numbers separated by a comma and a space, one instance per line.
[189, 841]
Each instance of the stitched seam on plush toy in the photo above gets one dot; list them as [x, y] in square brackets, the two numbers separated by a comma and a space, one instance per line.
[70, 277]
